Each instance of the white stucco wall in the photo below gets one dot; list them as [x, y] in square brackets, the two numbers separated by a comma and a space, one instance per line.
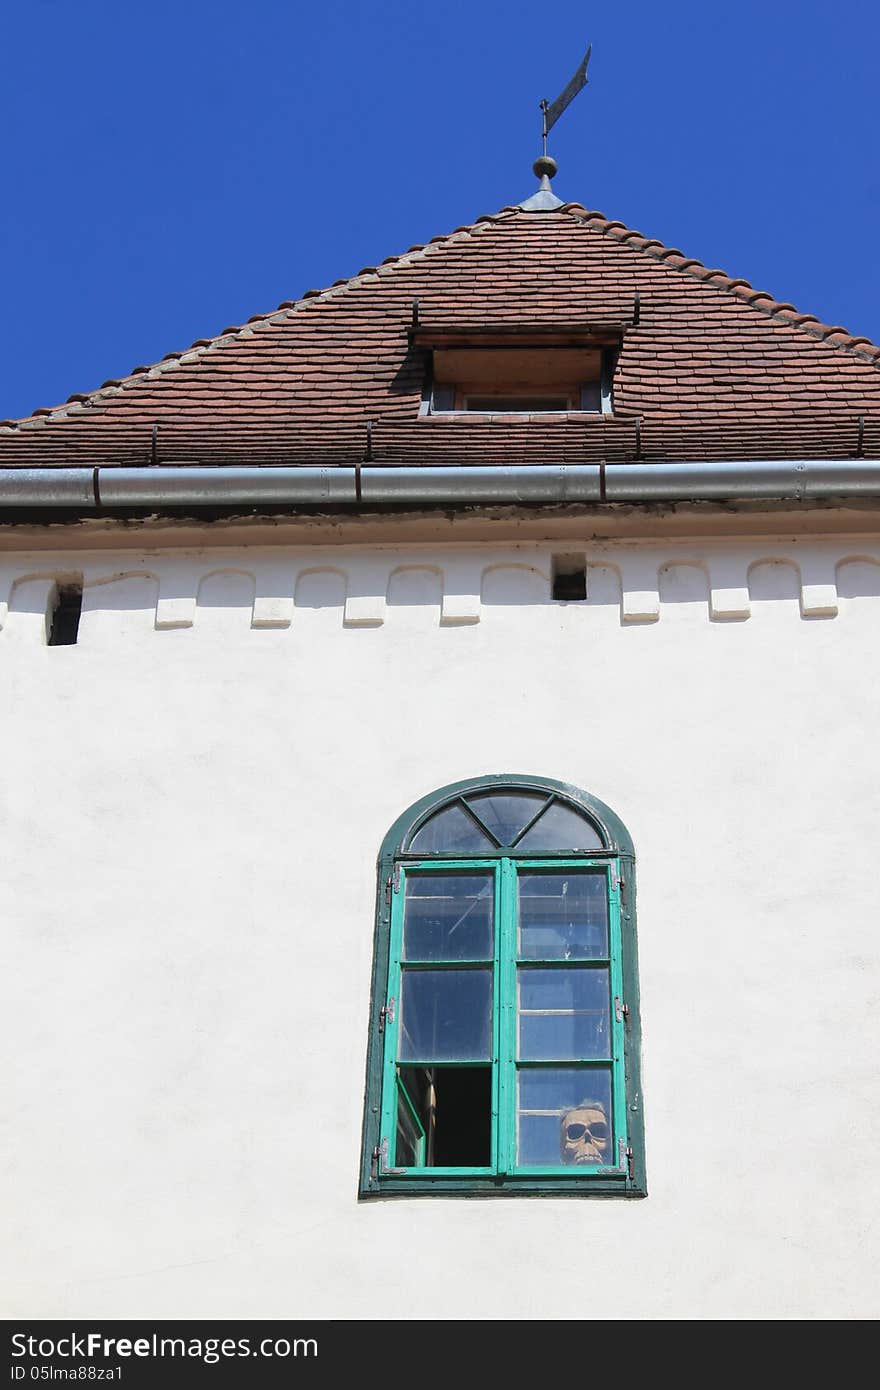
[193, 797]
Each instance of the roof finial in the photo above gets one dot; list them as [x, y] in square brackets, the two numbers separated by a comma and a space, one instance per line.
[545, 167]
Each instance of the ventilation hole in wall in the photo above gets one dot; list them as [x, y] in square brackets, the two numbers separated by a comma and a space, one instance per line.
[64, 614]
[569, 578]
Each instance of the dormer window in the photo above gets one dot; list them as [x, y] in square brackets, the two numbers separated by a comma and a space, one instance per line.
[517, 379]
[518, 370]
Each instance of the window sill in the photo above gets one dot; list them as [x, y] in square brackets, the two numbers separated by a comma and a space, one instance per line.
[514, 417]
[503, 1187]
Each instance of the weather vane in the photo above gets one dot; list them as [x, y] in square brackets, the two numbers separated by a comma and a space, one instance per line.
[553, 110]
[545, 166]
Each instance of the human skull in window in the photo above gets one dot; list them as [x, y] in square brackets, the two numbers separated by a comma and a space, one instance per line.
[586, 1135]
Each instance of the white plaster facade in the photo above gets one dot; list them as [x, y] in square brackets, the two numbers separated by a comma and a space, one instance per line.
[193, 799]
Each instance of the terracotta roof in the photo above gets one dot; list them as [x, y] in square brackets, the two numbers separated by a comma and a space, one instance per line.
[713, 369]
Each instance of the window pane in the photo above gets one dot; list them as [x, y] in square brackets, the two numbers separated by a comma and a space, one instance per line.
[530, 404]
[560, 828]
[445, 1015]
[563, 915]
[564, 1013]
[451, 831]
[410, 1133]
[448, 916]
[506, 815]
[560, 1115]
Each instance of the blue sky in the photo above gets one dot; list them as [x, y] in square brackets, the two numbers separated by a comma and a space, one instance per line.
[172, 168]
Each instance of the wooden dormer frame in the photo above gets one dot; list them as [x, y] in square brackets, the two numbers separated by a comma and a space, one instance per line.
[586, 393]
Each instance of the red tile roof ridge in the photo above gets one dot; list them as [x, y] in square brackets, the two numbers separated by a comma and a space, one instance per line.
[80, 400]
[864, 348]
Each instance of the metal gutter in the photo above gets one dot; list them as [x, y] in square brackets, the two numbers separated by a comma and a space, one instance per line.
[782, 479]
[103, 490]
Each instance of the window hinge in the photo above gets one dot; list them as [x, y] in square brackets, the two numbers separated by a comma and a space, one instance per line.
[386, 1014]
[380, 1158]
[618, 882]
[621, 1010]
[392, 883]
[625, 1158]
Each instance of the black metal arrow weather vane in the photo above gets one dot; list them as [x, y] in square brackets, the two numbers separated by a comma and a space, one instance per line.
[545, 199]
[553, 110]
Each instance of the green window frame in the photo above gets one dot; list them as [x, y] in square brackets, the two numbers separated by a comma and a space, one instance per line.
[504, 1042]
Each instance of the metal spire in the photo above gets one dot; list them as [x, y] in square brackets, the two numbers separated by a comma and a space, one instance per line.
[545, 167]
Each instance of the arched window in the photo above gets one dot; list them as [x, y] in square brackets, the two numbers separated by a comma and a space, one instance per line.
[503, 1052]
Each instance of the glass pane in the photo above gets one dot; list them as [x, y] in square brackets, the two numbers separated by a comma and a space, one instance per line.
[445, 1015]
[506, 814]
[530, 404]
[564, 1116]
[563, 915]
[451, 831]
[564, 1013]
[410, 1133]
[560, 828]
[448, 916]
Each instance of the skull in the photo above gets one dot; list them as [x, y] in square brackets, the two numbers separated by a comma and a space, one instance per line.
[586, 1137]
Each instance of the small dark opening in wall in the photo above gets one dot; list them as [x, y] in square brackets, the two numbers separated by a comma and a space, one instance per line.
[65, 613]
[569, 578]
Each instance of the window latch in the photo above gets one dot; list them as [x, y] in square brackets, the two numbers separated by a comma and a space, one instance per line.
[386, 1014]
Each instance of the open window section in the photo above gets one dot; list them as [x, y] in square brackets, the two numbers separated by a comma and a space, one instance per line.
[504, 1054]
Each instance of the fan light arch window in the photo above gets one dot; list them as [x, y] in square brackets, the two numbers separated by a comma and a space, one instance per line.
[503, 1053]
